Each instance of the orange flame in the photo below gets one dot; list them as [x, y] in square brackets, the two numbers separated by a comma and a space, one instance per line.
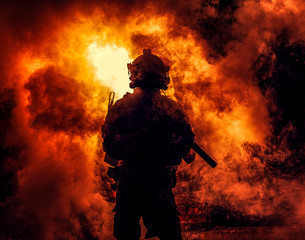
[63, 84]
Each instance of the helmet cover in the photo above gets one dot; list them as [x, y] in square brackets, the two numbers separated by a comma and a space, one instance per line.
[148, 72]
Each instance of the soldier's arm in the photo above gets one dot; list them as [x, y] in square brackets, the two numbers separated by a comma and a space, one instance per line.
[183, 129]
[119, 145]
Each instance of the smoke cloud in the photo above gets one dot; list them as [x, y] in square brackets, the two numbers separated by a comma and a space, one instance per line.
[237, 68]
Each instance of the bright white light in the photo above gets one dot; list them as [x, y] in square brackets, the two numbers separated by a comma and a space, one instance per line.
[110, 63]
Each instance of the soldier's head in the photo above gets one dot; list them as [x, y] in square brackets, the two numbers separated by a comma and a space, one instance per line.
[148, 72]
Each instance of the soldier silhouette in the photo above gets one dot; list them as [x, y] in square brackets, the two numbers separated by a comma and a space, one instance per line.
[146, 135]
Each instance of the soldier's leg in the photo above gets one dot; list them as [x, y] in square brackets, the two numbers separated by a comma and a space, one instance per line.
[165, 217]
[127, 216]
[126, 225]
[167, 225]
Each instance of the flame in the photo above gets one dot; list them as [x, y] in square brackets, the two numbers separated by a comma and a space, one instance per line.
[61, 78]
[110, 63]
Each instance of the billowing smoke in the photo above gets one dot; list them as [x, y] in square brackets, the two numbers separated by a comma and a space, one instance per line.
[237, 68]
[58, 103]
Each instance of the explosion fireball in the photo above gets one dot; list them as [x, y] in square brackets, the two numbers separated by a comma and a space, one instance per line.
[237, 68]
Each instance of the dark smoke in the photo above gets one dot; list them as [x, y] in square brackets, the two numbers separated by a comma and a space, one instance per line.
[8, 175]
[281, 76]
[58, 103]
[215, 26]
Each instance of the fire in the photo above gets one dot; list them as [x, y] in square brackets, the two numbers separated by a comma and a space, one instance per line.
[54, 98]
[110, 64]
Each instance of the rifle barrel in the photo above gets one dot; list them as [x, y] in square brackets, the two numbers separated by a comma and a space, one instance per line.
[204, 155]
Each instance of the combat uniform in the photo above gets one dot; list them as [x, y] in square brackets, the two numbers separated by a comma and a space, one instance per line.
[151, 134]
[146, 179]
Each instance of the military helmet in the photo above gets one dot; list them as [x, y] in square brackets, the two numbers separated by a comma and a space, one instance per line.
[148, 72]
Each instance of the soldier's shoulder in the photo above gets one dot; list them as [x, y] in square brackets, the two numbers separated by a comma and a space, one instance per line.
[120, 108]
[122, 103]
[171, 108]
[167, 102]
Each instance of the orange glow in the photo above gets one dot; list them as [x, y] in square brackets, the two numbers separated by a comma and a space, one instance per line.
[96, 58]
[110, 63]
[62, 81]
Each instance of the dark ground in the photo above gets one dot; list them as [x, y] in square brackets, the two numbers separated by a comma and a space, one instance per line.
[244, 233]
[248, 233]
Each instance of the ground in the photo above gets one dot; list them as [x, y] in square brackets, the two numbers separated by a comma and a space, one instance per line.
[243, 233]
